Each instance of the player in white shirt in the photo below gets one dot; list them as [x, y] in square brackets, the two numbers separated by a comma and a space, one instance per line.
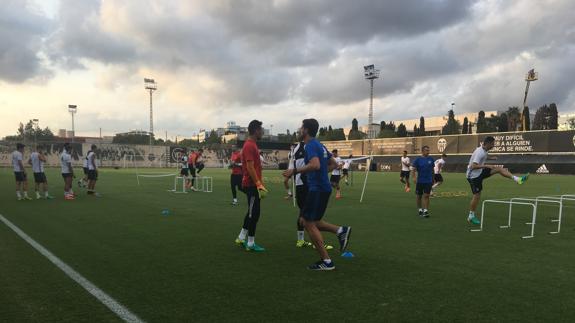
[405, 171]
[185, 170]
[37, 159]
[20, 173]
[336, 174]
[83, 182]
[437, 169]
[67, 171]
[287, 187]
[345, 169]
[92, 171]
[477, 171]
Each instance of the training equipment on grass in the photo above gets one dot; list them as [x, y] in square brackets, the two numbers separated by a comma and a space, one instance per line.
[367, 166]
[142, 176]
[534, 203]
[347, 254]
[203, 184]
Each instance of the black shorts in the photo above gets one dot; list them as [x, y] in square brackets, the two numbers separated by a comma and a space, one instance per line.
[404, 174]
[335, 179]
[184, 172]
[345, 171]
[66, 175]
[236, 180]
[437, 178]
[315, 205]
[20, 176]
[92, 175]
[421, 188]
[85, 170]
[192, 170]
[40, 178]
[300, 197]
[477, 182]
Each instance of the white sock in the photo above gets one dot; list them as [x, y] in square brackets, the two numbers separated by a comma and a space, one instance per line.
[327, 261]
[515, 178]
[471, 214]
[25, 193]
[236, 200]
[46, 194]
[340, 230]
[420, 210]
[434, 185]
[251, 241]
[37, 194]
[243, 234]
[300, 235]
[424, 210]
[18, 194]
[288, 192]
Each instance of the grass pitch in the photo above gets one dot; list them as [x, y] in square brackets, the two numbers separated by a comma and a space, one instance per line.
[185, 266]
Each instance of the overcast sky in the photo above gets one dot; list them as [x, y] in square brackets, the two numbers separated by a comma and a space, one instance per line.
[277, 61]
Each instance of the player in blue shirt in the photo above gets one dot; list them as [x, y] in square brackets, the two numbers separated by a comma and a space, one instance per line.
[318, 162]
[423, 165]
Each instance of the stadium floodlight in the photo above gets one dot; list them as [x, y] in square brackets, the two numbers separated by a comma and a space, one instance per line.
[370, 73]
[151, 86]
[73, 109]
[530, 77]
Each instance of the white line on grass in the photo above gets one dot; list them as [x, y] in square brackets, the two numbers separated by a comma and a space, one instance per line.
[104, 298]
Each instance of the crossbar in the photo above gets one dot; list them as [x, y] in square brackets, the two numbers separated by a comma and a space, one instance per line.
[510, 203]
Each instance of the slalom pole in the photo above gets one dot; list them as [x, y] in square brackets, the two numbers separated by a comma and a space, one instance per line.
[368, 165]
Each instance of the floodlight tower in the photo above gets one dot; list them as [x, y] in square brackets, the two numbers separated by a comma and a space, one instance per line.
[530, 77]
[370, 74]
[73, 109]
[151, 86]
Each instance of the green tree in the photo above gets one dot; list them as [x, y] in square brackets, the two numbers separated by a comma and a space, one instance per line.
[452, 127]
[481, 126]
[354, 133]
[513, 118]
[415, 130]
[503, 124]
[401, 130]
[213, 138]
[421, 126]
[553, 121]
[465, 127]
[354, 125]
[571, 123]
[132, 139]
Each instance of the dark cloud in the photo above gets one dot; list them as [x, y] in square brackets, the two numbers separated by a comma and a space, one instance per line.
[21, 30]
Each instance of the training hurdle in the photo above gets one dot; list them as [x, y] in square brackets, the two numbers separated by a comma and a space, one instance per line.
[508, 202]
[534, 202]
[176, 181]
[206, 184]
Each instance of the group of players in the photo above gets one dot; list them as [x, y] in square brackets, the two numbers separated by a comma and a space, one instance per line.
[429, 176]
[37, 160]
[309, 167]
[310, 163]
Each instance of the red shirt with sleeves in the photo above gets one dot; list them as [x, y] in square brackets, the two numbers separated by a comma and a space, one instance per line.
[250, 152]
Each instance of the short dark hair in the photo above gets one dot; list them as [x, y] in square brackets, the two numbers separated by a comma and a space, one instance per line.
[20, 146]
[66, 145]
[334, 151]
[311, 125]
[405, 151]
[93, 147]
[200, 150]
[488, 140]
[444, 155]
[426, 146]
[253, 126]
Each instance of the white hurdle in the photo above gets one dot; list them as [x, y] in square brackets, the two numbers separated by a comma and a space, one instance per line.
[206, 184]
[560, 198]
[508, 202]
[176, 181]
[538, 199]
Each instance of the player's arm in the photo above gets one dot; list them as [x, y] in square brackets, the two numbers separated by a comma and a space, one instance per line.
[332, 164]
[93, 161]
[311, 166]
[70, 169]
[477, 166]
[21, 165]
[42, 157]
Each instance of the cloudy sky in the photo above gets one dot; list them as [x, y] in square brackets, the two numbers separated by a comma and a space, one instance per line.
[278, 61]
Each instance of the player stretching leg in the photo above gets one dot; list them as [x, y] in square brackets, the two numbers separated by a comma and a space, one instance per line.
[477, 171]
[20, 173]
[437, 169]
[253, 186]
[37, 159]
[67, 171]
[424, 167]
[404, 175]
[318, 162]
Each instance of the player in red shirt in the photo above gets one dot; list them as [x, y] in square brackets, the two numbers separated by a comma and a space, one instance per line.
[252, 185]
[236, 177]
[194, 164]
